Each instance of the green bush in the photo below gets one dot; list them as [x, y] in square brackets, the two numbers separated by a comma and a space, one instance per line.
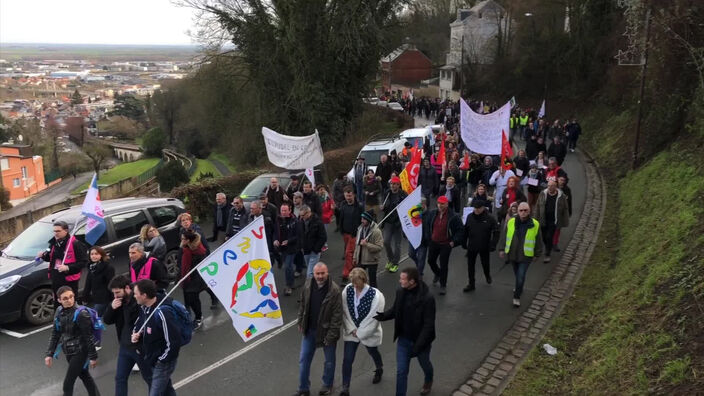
[171, 175]
[153, 142]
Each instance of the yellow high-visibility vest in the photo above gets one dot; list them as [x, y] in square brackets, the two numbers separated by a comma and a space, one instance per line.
[528, 243]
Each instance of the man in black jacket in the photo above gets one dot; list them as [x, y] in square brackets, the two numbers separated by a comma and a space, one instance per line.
[350, 219]
[64, 268]
[220, 216]
[287, 236]
[123, 313]
[160, 339]
[392, 227]
[558, 150]
[481, 235]
[443, 231]
[314, 238]
[383, 172]
[237, 218]
[311, 199]
[414, 328]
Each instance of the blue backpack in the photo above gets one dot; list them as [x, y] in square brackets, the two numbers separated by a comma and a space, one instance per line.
[183, 319]
[96, 322]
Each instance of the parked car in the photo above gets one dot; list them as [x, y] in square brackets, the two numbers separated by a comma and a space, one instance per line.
[373, 150]
[25, 289]
[255, 187]
[395, 106]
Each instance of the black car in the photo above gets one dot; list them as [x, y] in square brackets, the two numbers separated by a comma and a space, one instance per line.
[25, 289]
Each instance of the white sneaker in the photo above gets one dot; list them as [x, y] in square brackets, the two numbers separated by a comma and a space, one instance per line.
[516, 302]
[135, 367]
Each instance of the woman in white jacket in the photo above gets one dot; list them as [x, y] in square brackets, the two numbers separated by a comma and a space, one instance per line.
[360, 302]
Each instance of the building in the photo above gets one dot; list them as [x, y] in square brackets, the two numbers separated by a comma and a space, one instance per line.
[473, 39]
[22, 173]
[405, 66]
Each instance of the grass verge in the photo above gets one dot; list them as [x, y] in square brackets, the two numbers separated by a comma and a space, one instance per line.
[122, 172]
[226, 160]
[635, 324]
[204, 166]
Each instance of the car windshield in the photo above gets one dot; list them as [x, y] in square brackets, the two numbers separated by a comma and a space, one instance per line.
[373, 157]
[258, 185]
[31, 241]
[414, 140]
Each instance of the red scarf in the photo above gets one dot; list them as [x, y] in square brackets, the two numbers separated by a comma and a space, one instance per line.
[187, 258]
[511, 193]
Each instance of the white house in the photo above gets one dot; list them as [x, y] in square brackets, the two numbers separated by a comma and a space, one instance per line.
[474, 35]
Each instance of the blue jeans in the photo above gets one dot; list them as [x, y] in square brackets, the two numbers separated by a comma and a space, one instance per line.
[126, 358]
[519, 270]
[161, 379]
[418, 256]
[100, 309]
[289, 267]
[348, 359]
[311, 260]
[306, 358]
[404, 347]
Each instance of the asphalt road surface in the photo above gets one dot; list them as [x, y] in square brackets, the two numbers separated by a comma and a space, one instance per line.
[218, 362]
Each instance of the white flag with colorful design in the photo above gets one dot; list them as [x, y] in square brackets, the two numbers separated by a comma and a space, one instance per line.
[410, 212]
[239, 273]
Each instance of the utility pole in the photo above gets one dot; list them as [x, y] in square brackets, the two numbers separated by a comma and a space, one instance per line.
[643, 71]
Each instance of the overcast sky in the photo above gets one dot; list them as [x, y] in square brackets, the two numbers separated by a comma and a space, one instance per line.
[94, 22]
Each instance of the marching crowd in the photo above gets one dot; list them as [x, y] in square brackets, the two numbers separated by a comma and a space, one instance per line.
[518, 206]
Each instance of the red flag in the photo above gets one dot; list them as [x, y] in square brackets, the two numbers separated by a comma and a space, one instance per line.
[409, 175]
[441, 153]
[465, 162]
[506, 152]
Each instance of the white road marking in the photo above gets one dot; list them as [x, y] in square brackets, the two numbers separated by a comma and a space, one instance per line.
[233, 356]
[22, 335]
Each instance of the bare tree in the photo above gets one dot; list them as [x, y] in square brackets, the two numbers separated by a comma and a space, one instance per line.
[97, 153]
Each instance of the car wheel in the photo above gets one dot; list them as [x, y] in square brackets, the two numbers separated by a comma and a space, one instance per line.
[171, 262]
[39, 307]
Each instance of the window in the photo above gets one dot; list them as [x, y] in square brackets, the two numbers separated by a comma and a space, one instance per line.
[16, 182]
[128, 225]
[4, 164]
[81, 235]
[163, 215]
[24, 172]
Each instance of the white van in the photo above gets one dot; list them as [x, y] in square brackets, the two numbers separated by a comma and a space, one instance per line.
[418, 135]
[373, 150]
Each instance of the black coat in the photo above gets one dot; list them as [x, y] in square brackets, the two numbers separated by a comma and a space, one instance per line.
[559, 151]
[428, 180]
[481, 232]
[314, 235]
[423, 331]
[288, 229]
[124, 319]
[523, 164]
[390, 202]
[79, 249]
[313, 201]
[350, 215]
[224, 212]
[96, 288]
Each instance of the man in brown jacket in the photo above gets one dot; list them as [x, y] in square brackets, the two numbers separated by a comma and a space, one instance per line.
[319, 320]
[552, 212]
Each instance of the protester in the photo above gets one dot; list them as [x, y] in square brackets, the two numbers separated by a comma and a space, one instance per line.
[360, 169]
[519, 246]
[193, 252]
[159, 341]
[368, 245]
[297, 203]
[419, 254]
[221, 214]
[428, 180]
[350, 219]
[319, 320]
[453, 194]
[255, 210]
[153, 242]
[500, 180]
[275, 193]
[372, 191]
[512, 212]
[286, 239]
[188, 224]
[268, 209]
[488, 169]
[360, 303]
[392, 226]
[558, 150]
[536, 176]
[328, 206]
[573, 132]
[480, 237]
[562, 185]
[541, 161]
[482, 194]
[413, 312]
[443, 230]
[554, 170]
[65, 264]
[311, 199]
[237, 218]
[552, 213]
[123, 312]
[313, 238]
[294, 186]
[142, 267]
[338, 195]
[521, 164]
[512, 193]
[99, 274]
[383, 172]
[74, 332]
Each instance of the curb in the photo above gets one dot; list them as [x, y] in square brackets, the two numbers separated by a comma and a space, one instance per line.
[501, 364]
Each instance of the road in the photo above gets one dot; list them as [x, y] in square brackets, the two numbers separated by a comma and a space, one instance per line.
[218, 362]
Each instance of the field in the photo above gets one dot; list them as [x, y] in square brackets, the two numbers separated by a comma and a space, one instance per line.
[96, 53]
[122, 172]
[202, 167]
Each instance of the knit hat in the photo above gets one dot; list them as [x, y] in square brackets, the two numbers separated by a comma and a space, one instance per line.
[395, 179]
[442, 199]
[369, 216]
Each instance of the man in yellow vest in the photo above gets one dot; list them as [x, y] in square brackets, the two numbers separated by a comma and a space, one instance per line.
[523, 123]
[520, 245]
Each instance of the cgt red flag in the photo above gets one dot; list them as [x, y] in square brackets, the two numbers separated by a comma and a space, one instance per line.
[506, 152]
[441, 152]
